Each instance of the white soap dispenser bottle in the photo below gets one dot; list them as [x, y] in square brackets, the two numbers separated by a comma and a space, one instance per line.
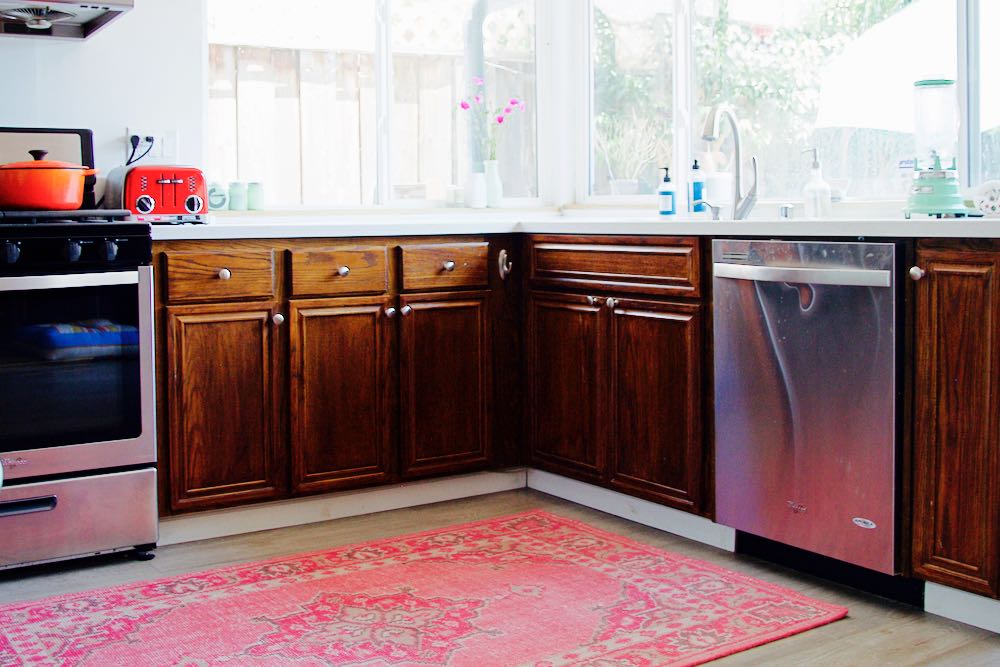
[817, 195]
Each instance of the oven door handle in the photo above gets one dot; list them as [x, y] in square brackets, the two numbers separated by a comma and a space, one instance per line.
[103, 279]
[28, 506]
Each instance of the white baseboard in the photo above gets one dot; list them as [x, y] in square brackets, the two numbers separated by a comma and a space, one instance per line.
[641, 511]
[957, 605]
[299, 511]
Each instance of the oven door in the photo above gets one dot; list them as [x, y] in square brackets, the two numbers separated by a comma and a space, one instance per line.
[76, 372]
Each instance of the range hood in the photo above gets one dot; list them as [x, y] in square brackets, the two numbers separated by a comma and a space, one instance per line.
[55, 19]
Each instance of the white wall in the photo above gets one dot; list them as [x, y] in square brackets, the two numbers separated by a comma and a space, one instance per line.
[146, 69]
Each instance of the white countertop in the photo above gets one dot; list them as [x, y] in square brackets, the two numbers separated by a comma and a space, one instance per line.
[449, 222]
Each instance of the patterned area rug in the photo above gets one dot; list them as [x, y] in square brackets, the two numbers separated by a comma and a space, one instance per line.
[528, 589]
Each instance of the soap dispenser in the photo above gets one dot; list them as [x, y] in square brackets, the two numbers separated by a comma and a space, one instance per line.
[666, 194]
[696, 193]
[817, 194]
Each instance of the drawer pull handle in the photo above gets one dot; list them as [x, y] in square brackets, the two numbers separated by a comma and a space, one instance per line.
[343, 271]
[225, 274]
[405, 310]
[916, 273]
[504, 265]
[449, 265]
[278, 318]
[28, 506]
[390, 312]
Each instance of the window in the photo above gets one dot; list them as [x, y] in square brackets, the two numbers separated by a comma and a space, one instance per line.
[631, 108]
[989, 91]
[298, 104]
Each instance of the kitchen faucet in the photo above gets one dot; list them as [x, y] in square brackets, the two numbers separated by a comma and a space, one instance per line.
[741, 205]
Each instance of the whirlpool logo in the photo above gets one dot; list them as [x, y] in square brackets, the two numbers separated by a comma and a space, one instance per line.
[797, 508]
[14, 463]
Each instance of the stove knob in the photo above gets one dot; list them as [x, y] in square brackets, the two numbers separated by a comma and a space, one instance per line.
[194, 204]
[11, 252]
[145, 204]
[72, 251]
[110, 251]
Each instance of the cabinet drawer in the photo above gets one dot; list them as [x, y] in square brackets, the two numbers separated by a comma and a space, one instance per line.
[219, 276]
[444, 265]
[337, 271]
[662, 265]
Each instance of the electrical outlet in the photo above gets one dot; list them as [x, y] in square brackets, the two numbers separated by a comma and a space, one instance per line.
[165, 146]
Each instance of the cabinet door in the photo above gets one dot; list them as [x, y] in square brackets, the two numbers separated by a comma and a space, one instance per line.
[567, 373]
[656, 437]
[956, 512]
[341, 392]
[220, 386]
[444, 357]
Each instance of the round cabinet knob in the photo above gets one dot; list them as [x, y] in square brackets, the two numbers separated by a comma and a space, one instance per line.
[448, 265]
[194, 204]
[225, 274]
[390, 312]
[145, 204]
[278, 318]
[612, 303]
[343, 271]
[591, 300]
[916, 273]
[405, 310]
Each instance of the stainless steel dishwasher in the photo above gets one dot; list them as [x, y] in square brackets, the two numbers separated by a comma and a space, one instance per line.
[805, 395]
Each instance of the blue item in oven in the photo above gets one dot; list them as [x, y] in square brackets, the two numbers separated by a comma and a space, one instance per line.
[84, 339]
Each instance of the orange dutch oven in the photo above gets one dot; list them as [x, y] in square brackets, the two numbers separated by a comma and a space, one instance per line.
[42, 184]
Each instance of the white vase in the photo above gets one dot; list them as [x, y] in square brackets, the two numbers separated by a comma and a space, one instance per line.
[475, 190]
[494, 186]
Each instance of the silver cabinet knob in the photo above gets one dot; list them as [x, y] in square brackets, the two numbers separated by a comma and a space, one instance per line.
[278, 318]
[504, 265]
[225, 274]
[449, 265]
[916, 273]
[343, 271]
[592, 300]
[611, 303]
[390, 312]
[405, 310]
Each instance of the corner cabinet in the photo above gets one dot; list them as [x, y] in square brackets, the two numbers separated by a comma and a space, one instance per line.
[956, 486]
[615, 373]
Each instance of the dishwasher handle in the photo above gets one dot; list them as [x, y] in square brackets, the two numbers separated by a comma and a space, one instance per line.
[806, 275]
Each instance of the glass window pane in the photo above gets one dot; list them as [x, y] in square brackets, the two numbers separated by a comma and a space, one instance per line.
[440, 50]
[632, 112]
[832, 74]
[989, 88]
[292, 103]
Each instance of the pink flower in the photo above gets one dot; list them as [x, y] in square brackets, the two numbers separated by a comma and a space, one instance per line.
[514, 101]
[507, 111]
[500, 119]
[464, 104]
[477, 81]
[478, 99]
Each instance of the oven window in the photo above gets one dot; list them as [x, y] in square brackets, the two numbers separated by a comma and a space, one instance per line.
[69, 366]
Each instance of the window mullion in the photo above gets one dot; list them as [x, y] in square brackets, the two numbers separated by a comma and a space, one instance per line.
[383, 101]
[970, 141]
[683, 101]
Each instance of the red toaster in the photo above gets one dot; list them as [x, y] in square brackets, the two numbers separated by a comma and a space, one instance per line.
[158, 193]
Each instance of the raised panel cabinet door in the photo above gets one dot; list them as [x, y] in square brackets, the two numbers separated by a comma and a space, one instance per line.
[341, 391]
[956, 489]
[657, 450]
[445, 381]
[220, 385]
[567, 373]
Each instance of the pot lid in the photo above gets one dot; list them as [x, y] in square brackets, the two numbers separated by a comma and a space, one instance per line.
[41, 163]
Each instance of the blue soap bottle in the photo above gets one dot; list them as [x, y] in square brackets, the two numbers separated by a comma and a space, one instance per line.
[697, 191]
[666, 194]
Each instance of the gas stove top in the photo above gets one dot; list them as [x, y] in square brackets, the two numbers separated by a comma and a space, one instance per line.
[63, 217]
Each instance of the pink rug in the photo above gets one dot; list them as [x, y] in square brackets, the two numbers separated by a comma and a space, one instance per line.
[529, 589]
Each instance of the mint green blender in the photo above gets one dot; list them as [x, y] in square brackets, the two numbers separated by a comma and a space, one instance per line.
[936, 190]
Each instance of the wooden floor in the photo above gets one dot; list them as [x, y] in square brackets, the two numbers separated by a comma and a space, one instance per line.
[876, 632]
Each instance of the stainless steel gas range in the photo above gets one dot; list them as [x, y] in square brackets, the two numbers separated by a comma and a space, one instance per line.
[77, 441]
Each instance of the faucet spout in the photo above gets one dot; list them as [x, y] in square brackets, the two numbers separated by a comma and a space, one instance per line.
[742, 205]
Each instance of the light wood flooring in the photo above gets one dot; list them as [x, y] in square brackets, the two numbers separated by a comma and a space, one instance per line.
[876, 632]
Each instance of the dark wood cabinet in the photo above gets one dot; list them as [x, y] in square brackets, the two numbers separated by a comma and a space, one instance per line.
[956, 484]
[656, 448]
[567, 369]
[341, 389]
[445, 382]
[615, 394]
[224, 447]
